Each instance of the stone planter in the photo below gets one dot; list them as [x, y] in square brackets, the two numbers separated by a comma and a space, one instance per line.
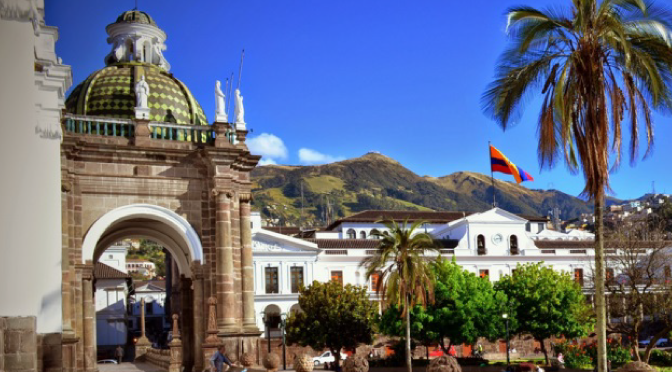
[444, 364]
[356, 363]
[303, 363]
[271, 362]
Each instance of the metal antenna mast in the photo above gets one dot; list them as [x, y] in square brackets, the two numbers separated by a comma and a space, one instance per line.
[240, 70]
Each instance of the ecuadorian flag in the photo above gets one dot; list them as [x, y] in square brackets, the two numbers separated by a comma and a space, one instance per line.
[500, 163]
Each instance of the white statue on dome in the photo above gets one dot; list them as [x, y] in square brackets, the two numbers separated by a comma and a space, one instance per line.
[220, 113]
[141, 93]
[239, 111]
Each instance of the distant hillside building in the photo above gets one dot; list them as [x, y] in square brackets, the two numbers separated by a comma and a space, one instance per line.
[489, 244]
[141, 266]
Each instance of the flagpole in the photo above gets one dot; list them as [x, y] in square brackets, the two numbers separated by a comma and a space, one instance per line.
[492, 176]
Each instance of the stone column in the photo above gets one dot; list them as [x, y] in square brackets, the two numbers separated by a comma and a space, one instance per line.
[225, 296]
[89, 312]
[143, 343]
[199, 309]
[249, 323]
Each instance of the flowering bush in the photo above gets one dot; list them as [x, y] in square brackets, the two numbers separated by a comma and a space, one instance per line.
[575, 355]
[586, 355]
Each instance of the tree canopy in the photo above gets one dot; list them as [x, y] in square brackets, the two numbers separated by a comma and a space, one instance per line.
[333, 316]
[546, 303]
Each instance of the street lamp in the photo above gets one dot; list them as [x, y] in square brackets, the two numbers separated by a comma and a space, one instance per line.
[506, 318]
[267, 324]
[283, 324]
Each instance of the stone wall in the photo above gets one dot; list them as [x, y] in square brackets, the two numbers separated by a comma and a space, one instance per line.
[19, 344]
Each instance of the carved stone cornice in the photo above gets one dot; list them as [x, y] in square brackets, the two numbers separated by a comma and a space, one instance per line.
[216, 192]
[21, 10]
[197, 270]
[245, 197]
[86, 270]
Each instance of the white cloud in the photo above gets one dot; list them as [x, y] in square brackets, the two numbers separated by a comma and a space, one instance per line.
[267, 161]
[269, 146]
[308, 156]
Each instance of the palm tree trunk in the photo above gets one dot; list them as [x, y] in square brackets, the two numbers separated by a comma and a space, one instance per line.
[409, 365]
[600, 306]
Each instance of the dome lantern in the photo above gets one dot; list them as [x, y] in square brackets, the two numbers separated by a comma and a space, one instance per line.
[135, 37]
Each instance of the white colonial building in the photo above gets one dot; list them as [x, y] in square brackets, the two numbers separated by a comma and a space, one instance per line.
[490, 244]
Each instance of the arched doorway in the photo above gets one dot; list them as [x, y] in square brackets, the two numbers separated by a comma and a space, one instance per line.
[185, 256]
[272, 321]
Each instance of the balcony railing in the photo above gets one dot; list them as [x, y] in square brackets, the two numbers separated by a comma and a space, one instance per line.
[126, 128]
[99, 126]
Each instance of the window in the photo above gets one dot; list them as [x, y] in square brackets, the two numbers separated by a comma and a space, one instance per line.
[337, 276]
[296, 274]
[540, 226]
[513, 242]
[484, 273]
[374, 281]
[528, 227]
[578, 276]
[480, 244]
[149, 309]
[351, 234]
[271, 279]
[362, 234]
[110, 257]
[609, 274]
[373, 233]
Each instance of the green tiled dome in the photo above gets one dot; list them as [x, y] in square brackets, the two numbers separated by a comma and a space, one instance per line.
[135, 16]
[110, 92]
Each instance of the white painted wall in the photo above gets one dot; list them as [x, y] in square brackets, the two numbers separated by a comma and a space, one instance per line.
[30, 217]
[111, 320]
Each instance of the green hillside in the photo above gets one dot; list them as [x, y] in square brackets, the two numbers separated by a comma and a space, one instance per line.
[375, 181]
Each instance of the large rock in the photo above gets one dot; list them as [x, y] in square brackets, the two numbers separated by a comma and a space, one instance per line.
[444, 363]
[636, 367]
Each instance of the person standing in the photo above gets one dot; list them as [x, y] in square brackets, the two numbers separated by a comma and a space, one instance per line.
[119, 353]
[218, 359]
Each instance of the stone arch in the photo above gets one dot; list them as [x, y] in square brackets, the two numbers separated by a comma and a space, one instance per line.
[295, 308]
[144, 220]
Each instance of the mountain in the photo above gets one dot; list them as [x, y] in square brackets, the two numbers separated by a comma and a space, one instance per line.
[374, 181]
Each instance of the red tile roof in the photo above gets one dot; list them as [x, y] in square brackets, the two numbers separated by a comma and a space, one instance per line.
[102, 271]
[366, 243]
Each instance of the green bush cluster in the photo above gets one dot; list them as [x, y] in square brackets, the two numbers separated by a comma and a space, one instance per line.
[583, 356]
[659, 358]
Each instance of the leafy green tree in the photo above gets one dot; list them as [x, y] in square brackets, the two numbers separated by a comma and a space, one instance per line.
[466, 306]
[546, 303]
[593, 64]
[334, 317]
[404, 277]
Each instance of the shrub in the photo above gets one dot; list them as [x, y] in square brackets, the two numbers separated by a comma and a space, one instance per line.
[617, 354]
[575, 356]
[660, 358]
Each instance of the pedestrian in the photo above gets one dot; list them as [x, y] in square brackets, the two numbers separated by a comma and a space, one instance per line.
[218, 359]
[119, 353]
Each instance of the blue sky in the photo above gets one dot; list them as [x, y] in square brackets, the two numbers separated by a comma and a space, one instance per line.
[327, 80]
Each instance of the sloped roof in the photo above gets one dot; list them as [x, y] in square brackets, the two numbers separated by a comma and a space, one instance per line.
[412, 216]
[373, 216]
[367, 243]
[161, 284]
[102, 271]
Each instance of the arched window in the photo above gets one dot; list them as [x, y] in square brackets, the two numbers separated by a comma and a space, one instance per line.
[513, 242]
[372, 234]
[480, 245]
[130, 51]
[362, 234]
[147, 52]
[351, 234]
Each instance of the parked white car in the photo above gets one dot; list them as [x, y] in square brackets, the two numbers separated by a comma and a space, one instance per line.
[326, 357]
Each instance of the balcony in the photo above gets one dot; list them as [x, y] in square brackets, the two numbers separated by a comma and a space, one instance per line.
[149, 133]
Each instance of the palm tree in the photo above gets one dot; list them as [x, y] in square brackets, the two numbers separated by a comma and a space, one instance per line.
[404, 278]
[593, 65]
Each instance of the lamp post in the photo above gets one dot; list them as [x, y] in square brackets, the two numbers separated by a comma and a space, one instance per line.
[506, 318]
[268, 329]
[283, 324]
